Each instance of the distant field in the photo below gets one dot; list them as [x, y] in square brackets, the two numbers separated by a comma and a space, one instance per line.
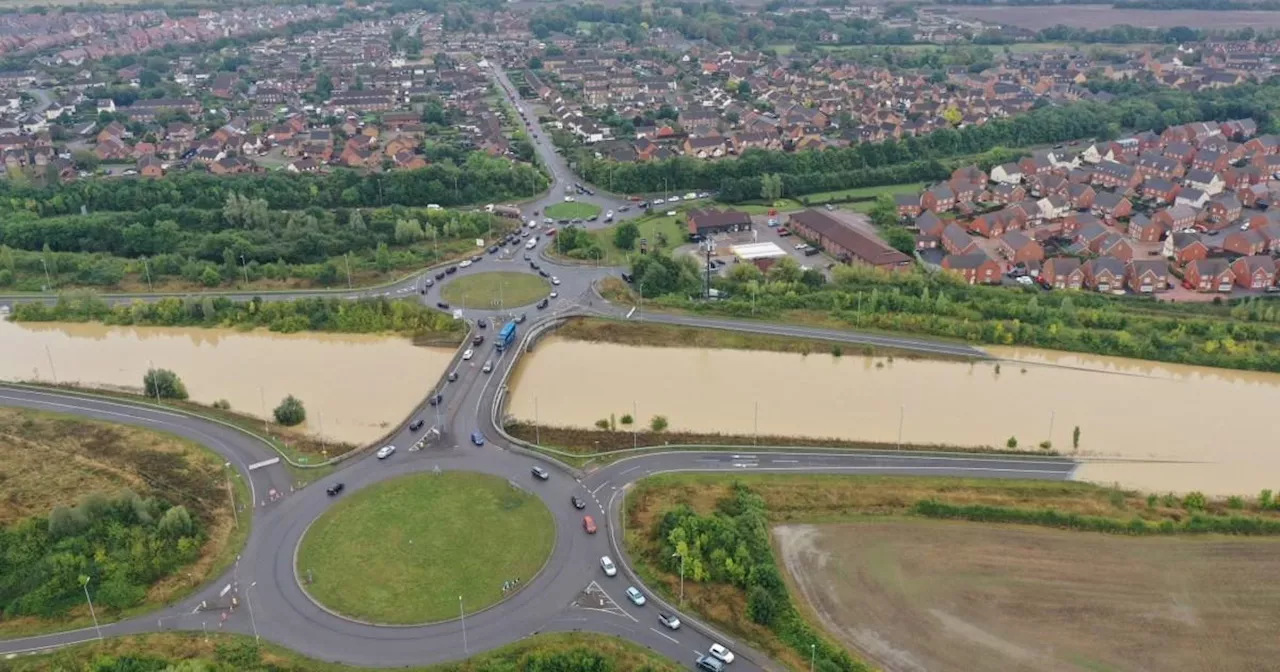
[866, 192]
[1094, 16]
[930, 595]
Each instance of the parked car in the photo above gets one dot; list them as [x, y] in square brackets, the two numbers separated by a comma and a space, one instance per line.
[429, 282]
[468, 354]
[465, 263]
[607, 565]
[577, 502]
[540, 473]
[636, 597]
[669, 620]
[543, 304]
[442, 305]
[334, 489]
[440, 275]
[451, 269]
[477, 438]
[385, 452]
[555, 280]
[453, 375]
[724, 655]
[417, 424]
[436, 399]
[589, 524]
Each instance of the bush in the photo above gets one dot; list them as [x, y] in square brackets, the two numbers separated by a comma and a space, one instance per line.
[290, 412]
[658, 423]
[761, 607]
[1235, 502]
[1194, 501]
[626, 419]
[222, 405]
[1012, 442]
[602, 424]
[163, 384]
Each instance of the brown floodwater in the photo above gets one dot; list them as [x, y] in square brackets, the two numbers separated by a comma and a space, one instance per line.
[354, 387]
[1142, 424]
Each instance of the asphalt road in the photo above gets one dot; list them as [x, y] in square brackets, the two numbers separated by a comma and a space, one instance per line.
[571, 592]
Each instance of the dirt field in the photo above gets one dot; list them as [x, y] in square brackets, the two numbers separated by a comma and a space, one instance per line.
[941, 596]
[1096, 16]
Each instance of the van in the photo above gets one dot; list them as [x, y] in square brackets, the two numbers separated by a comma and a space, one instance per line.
[532, 243]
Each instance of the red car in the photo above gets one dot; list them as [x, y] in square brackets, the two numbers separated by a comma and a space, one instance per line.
[589, 524]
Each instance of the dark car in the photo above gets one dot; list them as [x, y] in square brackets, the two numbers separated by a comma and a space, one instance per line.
[417, 424]
[334, 489]
[451, 269]
[540, 473]
[493, 249]
[563, 222]
[453, 375]
[577, 502]
[543, 273]
[544, 303]
[440, 275]
[482, 323]
[477, 259]
[442, 305]
[477, 438]
[478, 339]
[533, 265]
[435, 401]
[627, 278]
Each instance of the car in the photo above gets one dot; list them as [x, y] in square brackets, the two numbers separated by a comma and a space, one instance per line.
[417, 424]
[493, 249]
[385, 452]
[477, 259]
[724, 655]
[442, 305]
[784, 232]
[465, 263]
[334, 489]
[521, 318]
[451, 270]
[1025, 280]
[468, 354]
[568, 199]
[540, 473]
[477, 438]
[623, 208]
[577, 502]
[801, 246]
[563, 222]
[429, 282]
[659, 201]
[672, 622]
[555, 280]
[534, 265]
[553, 295]
[440, 275]
[488, 366]
[548, 220]
[543, 304]
[544, 273]
[593, 218]
[453, 375]
[636, 597]
[589, 524]
[829, 207]
[671, 213]
[437, 398]
[709, 664]
[482, 323]
[526, 257]
[477, 339]
[606, 563]
[575, 221]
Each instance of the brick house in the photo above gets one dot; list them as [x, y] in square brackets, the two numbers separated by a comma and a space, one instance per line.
[1144, 230]
[956, 240]
[1112, 206]
[1245, 242]
[1007, 173]
[1081, 196]
[1160, 190]
[1104, 274]
[938, 198]
[930, 224]
[908, 205]
[1007, 193]
[1147, 276]
[711, 221]
[1062, 273]
[1176, 218]
[1114, 245]
[845, 243]
[1184, 248]
[1210, 275]
[1116, 175]
[1224, 208]
[150, 166]
[1255, 272]
[975, 268]
[1019, 247]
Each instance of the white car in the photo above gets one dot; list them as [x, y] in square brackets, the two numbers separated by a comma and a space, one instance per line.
[568, 199]
[725, 655]
[658, 201]
[606, 563]
[465, 263]
[555, 280]
[385, 452]
[671, 213]
[468, 354]
[1024, 280]
[554, 295]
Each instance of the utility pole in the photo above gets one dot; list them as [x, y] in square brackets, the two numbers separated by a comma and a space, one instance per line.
[52, 371]
[755, 422]
[263, 397]
[147, 267]
[84, 583]
[813, 653]
[346, 256]
[635, 425]
[47, 282]
[708, 247]
[244, 266]
[681, 576]
[463, 615]
[155, 379]
[231, 493]
[249, 603]
[1051, 414]
[537, 436]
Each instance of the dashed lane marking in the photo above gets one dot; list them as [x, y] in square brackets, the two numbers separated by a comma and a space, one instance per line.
[663, 634]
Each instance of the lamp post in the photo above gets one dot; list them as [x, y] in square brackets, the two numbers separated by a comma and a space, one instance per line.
[463, 615]
[249, 603]
[84, 583]
[147, 267]
[47, 282]
[813, 653]
[677, 554]
[244, 266]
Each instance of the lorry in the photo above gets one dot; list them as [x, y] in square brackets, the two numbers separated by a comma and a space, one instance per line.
[506, 336]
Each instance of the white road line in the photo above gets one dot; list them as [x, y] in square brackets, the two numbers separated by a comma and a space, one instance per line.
[663, 634]
[593, 492]
[785, 461]
[626, 470]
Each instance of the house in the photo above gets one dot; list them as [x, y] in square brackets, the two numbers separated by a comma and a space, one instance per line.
[1192, 197]
[711, 221]
[1246, 242]
[1184, 248]
[1053, 207]
[1114, 245]
[955, 240]
[1209, 275]
[1255, 271]
[1159, 190]
[908, 205]
[304, 165]
[1116, 175]
[1112, 206]
[1177, 218]
[150, 166]
[1008, 193]
[1019, 247]
[1007, 173]
[975, 268]
[1147, 276]
[1224, 208]
[1062, 273]
[1207, 181]
[938, 198]
[1104, 274]
[845, 243]
[1081, 196]
[709, 147]
[1144, 230]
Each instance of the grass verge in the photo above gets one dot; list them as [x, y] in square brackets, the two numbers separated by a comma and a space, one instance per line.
[237, 653]
[574, 210]
[53, 458]
[421, 540]
[490, 290]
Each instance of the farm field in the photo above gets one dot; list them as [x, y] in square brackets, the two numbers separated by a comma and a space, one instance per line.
[935, 595]
[1092, 16]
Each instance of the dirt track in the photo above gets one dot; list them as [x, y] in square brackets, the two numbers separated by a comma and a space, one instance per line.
[946, 596]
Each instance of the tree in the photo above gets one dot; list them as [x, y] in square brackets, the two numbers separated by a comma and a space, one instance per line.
[885, 211]
[1075, 438]
[290, 412]
[658, 423]
[786, 269]
[535, 63]
[626, 419]
[761, 605]
[408, 230]
[210, 277]
[163, 384]
[1194, 501]
[626, 235]
[1012, 442]
[176, 522]
[382, 258]
[771, 186]
[900, 239]
[324, 86]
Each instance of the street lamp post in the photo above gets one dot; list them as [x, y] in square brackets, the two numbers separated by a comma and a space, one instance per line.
[813, 653]
[147, 267]
[231, 493]
[244, 266]
[681, 576]
[902, 412]
[84, 583]
[47, 282]
[463, 615]
[249, 603]
[346, 256]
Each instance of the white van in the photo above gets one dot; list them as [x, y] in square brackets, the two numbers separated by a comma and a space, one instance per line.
[531, 243]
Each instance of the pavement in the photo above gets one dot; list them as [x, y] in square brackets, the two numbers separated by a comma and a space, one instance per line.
[571, 593]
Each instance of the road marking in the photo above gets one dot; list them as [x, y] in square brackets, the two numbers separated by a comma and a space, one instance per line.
[745, 465]
[593, 492]
[785, 461]
[627, 470]
[663, 634]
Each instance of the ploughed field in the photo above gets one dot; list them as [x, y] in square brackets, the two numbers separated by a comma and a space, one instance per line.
[938, 595]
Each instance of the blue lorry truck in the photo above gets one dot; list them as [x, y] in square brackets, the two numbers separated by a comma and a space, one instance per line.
[506, 336]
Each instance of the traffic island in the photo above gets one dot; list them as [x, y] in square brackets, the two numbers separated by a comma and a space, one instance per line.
[494, 291]
[401, 552]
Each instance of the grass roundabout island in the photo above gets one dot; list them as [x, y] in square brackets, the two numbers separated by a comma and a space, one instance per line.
[402, 551]
[574, 210]
[487, 291]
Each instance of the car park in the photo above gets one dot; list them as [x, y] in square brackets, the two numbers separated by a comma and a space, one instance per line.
[669, 620]
[477, 438]
[488, 366]
[636, 597]
[589, 524]
[720, 653]
[577, 502]
[468, 354]
[385, 452]
[540, 473]
[334, 489]
[417, 424]
[606, 563]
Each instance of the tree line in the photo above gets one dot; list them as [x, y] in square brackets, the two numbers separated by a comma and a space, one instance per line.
[118, 545]
[918, 158]
[373, 315]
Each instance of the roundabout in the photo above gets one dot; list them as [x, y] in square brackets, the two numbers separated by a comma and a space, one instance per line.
[485, 291]
[572, 210]
[402, 551]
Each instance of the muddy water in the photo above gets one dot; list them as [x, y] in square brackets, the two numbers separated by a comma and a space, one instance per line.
[355, 387]
[1193, 428]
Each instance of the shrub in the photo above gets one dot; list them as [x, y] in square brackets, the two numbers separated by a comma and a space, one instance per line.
[1046, 445]
[1194, 501]
[658, 423]
[626, 419]
[602, 424]
[290, 412]
[222, 405]
[163, 384]
[1012, 442]
[1151, 501]
[1264, 500]
[761, 607]
[1235, 502]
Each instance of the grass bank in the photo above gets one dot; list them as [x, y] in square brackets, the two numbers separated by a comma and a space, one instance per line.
[421, 540]
[695, 499]
[237, 653]
[53, 459]
[574, 210]
[487, 291]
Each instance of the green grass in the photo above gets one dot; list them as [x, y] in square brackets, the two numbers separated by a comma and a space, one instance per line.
[866, 192]
[573, 210]
[402, 551]
[490, 290]
[653, 228]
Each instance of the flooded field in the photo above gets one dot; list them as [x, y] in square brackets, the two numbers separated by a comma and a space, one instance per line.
[1147, 425]
[355, 387]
